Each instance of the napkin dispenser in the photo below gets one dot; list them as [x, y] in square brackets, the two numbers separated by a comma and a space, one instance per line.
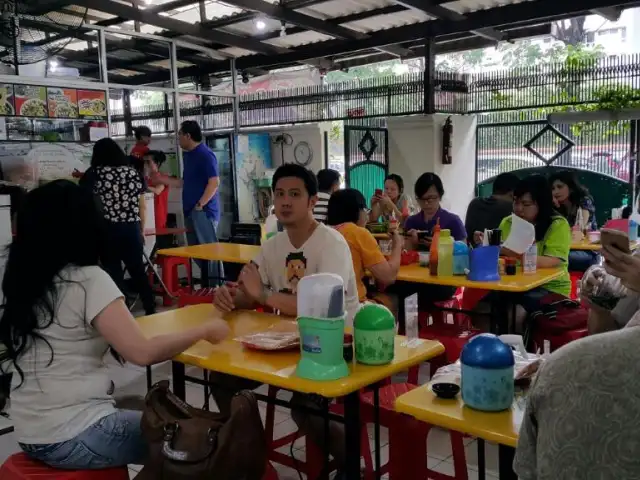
[321, 320]
[483, 264]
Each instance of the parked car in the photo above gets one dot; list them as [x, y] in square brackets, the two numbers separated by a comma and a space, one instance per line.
[490, 166]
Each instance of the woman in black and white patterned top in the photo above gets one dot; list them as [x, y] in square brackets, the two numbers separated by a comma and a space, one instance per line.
[120, 190]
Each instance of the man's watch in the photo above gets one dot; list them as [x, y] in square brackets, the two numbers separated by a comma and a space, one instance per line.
[264, 296]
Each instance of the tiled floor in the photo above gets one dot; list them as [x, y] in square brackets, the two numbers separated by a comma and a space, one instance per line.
[130, 379]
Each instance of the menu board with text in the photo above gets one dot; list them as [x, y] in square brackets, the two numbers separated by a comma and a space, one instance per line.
[63, 102]
[30, 101]
[7, 105]
[92, 103]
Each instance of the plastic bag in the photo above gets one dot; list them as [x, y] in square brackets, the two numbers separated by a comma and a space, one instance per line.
[602, 289]
[283, 335]
[523, 371]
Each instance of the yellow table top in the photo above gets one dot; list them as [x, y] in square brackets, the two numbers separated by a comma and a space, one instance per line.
[498, 427]
[508, 283]
[596, 247]
[223, 252]
[273, 368]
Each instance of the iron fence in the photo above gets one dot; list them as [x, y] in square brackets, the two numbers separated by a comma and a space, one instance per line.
[520, 95]
[358, 99]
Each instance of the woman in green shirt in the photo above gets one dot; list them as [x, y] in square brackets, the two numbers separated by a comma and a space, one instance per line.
[533, 202]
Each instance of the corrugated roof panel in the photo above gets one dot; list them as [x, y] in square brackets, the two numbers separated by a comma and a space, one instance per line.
[302, 38]
[384, 22]
[340, 8]
[466, 6]
[248, 27]
[218, 10]
[236, 52]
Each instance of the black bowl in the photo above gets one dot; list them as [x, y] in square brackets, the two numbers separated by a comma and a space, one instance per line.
[445, 390]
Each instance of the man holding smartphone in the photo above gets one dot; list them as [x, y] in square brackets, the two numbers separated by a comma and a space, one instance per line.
[620, 278]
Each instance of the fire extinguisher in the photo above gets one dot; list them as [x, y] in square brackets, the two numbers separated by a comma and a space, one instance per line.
[447, 135]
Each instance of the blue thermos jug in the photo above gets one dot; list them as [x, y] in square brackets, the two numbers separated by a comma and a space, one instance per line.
[487, 373]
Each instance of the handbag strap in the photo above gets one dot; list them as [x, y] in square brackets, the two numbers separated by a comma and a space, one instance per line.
[170, 432]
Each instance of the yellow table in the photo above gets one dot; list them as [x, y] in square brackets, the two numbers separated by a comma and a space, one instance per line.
[500, 427]
[508, 283]
[586, 245]
[278, 368]
[222, 252]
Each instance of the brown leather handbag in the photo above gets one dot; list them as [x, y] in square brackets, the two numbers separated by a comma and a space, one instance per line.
[187, 443]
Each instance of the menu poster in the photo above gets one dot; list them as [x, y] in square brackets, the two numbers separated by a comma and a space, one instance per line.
[92, 103]
[63, 102]
[6, 99]
[31, 101]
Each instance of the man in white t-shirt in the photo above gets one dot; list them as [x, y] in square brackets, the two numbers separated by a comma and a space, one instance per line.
[305, 247]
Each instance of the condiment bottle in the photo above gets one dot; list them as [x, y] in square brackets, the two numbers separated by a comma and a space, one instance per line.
[433, 252]
[348, 347]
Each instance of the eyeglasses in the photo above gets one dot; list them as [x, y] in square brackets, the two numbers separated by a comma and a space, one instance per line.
[429, 199]
[518, 203]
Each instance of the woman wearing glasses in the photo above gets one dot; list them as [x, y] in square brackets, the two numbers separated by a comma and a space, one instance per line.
[419, 227]
[533, 202]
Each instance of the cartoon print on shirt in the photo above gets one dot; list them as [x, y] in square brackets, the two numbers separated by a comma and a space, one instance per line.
[295, 269]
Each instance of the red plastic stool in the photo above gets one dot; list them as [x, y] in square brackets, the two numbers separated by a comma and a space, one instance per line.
[407, 439]
[20, 467]
[196, 297]
[170, 277]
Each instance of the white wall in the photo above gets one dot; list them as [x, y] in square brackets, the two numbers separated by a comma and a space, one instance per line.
[312, 133]
[415, 147]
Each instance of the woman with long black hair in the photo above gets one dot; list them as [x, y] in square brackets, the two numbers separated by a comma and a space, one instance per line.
[120, 190]
[575, 203]
[61, 312]
[533, 202]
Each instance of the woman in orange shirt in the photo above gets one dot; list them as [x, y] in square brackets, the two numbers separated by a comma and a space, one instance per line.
[347, 213]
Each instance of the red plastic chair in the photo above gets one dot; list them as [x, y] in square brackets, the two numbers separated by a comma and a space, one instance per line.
[619, 224]
[558, 340]
[575, 277]
[195, 297]
[406, 434]
[453, 335]
[20, 467]
[271, 473]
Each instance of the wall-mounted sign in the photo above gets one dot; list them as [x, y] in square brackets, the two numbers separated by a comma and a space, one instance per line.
[7, 105]
[63, 102]
[92, 103]
[30, 101]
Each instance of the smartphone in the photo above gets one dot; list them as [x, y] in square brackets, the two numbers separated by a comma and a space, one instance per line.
[378, 192]
[615, 239]
[423, 235]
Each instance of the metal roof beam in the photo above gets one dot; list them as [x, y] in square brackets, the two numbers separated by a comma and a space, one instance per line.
[510, 15]
[445, 13]
[165, 7]
[46, 6]
[274, 10]
[610, 13]
[244, 16]
[179, 26]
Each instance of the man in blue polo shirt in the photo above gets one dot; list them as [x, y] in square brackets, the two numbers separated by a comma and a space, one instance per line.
[200, 202]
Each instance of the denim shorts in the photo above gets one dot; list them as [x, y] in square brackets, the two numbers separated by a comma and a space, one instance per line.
[113, 441]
